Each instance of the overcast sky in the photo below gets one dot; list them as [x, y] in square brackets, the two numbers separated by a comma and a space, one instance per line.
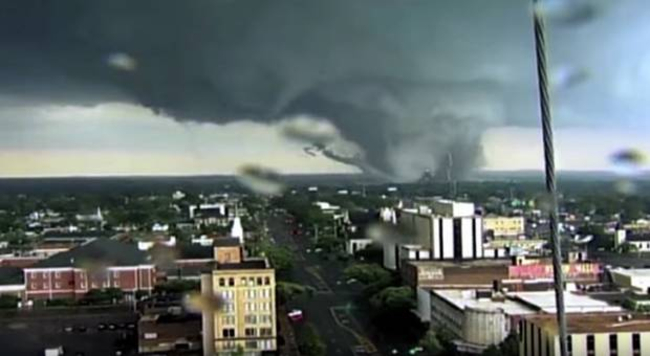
[203, 87]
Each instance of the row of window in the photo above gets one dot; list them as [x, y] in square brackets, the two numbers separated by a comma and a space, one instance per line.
[82, 285]
[248, 319]
[244, 281]
[57, 274]
[250, 345]
[249, 294]
[248, 332]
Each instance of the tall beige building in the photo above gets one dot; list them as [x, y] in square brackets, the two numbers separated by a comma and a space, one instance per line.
[246, 287]
[590, 334]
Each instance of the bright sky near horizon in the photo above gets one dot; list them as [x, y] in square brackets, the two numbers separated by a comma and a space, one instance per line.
[125, 139]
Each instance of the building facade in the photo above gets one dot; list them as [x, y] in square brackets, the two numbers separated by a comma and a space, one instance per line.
[504, 226]
[588, 334]
[98, 264]
[247, 321]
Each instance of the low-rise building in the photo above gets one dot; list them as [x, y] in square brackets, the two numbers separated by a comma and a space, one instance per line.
[504, 226]
[594, 334]
[101, 263]
[165, 333]
[478, 318]
[637, 279]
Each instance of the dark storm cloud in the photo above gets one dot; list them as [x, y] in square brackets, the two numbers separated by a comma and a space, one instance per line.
[407, 81]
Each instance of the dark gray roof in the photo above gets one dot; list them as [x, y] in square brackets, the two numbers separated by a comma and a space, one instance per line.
[226, 242]
[194, 251]
[101, 252]
[11, 275]
[211, 212]
[638, 237]
[77, 234]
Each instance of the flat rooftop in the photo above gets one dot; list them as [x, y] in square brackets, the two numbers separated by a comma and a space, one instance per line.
[634, 272]
[244, 265]
[573, 303]
[466, 298]
[595, 322]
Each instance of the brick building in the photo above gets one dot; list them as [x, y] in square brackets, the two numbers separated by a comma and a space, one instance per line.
[99, 264]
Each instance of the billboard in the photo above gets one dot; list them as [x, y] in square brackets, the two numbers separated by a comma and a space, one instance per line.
[541, 271]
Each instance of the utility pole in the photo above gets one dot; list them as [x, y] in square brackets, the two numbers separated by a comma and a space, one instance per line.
[549, 163]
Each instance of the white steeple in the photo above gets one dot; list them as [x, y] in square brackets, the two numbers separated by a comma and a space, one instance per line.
[237, 231]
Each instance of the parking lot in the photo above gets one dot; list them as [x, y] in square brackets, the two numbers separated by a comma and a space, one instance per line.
[86, 332]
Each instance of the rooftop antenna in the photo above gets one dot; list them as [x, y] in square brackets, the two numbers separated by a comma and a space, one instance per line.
[549, 163]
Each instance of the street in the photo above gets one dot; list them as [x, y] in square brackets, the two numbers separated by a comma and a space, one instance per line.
[328, 309]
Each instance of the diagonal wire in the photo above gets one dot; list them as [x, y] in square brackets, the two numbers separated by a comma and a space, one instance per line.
[549, 163]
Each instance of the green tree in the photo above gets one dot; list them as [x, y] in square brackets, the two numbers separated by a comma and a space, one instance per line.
[281, 258]
[626, 247]
[8, 302]
[310, 342]
[393, 298]
[287, 291]
[509, 346]
[432, 344]
[367, 273]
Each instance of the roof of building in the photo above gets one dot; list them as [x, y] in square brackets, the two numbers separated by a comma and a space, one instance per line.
[573, 302]
[194, 251]
[244, 265]
[77, 234]
[467, 298]
[226, 242]
[633, 272]
[211, 212]
[638, 237]
[595, 322]
[104, 252]
[11, 275]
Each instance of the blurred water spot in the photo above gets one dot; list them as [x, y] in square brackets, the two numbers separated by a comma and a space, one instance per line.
[260, 180]
[545, 203]
[625, 187]
[382, 232]
[567, 12]
[198, 303]
[163, 256]
[121, 61]
[17, 326]
[96, 269]
[310, 130]
[565, 77]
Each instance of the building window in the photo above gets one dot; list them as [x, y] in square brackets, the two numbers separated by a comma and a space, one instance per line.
[231, 282]
[57, 274]
[569, 344]
[250, 319]
[82, 285]
[57, 285]
[227, 333]
[116, 284]
[251, 281]
[267, 281]
[46, 286]
[266, 331]
[34, 286]
[251, 344]
[250, 332]
[243, 281]
[116, 274]
[150, 336]
[591, 345]
[259, 279]
[636, 344]
[222, 282]
[613, 345]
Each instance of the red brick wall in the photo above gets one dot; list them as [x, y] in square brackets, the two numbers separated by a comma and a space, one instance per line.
[68, 283]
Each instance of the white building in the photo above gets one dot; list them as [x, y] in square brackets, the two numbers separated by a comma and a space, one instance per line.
[448, 237]
[637, 280]
[477, 318]
[640, 241]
